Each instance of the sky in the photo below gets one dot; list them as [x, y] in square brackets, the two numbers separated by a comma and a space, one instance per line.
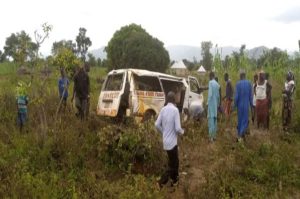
[271, 23]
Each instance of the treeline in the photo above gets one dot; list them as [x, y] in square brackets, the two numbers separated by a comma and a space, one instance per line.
[132, 47]
[270, 58]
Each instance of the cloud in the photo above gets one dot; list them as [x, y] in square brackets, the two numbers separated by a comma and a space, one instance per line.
[289, 16]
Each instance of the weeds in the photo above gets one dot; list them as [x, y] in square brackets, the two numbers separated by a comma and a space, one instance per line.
[101, 159]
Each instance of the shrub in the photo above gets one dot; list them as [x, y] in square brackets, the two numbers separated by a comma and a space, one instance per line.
[130, 146]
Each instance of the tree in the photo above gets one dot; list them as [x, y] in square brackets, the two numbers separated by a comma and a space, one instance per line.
[296, 59]
[104, 63]
[20, 47]
[243, 57]
[207, 57]
[227, 62]
[235, 59]
[40, 37]
[67, 60]
[56, 46]
[99, 62]
[190, 65]
[217, 61]
[2, 56]
[83, 43]
[240, 58]
[273, 58]
[133, 47]
[92, 60]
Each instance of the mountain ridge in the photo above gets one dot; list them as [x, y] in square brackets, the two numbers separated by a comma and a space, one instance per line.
[191, 53]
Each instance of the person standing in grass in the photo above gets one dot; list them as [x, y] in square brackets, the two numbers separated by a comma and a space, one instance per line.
[220, 107]
[213, 102]
[269, 96]
[63, 84]
[22, 102]
[287, 93]
[81, 92]
[263, 95]
[255, 79]
[242, 100]
[168, 123]
[227, 98]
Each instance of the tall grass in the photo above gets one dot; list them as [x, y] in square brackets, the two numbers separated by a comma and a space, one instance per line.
[7, 68]
[66, 158]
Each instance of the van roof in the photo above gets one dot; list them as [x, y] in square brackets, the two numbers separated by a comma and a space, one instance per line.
[141, 72]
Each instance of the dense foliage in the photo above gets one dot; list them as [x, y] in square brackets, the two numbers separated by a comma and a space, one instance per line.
[63, 44]
[66, 59]
[133, 47]
[207, 57]
[20, 47]
[59, 156]
[83, 43]
[62, 157]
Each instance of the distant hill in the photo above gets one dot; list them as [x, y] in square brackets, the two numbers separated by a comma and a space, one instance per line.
[256, 52]
[99, 53]
[179, 52]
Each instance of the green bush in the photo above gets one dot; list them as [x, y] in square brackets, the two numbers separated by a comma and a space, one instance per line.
[130, 146]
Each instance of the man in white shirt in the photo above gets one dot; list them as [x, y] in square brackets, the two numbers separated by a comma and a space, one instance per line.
[168, 123]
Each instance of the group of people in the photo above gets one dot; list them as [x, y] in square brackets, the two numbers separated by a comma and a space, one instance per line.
[246, 96]
[81, 94]
[81, 91]
[256, 97]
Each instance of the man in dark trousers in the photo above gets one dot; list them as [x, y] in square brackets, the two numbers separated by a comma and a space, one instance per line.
[81, 92]
[168, 123]
[228, 98]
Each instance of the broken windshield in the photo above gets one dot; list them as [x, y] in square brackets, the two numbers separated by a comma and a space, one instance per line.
[114, 82]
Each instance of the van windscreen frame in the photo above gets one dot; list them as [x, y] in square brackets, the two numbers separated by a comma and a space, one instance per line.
[114, 82]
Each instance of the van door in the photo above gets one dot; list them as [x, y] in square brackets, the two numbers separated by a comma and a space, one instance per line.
[111, 93]
[194, 95]
[148, 96]
[178, 87]
[194, 89]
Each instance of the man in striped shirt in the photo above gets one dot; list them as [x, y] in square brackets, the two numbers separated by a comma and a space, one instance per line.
[22, 101]
[168, 123]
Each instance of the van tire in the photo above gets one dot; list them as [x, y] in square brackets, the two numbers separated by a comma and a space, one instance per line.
[149, 114]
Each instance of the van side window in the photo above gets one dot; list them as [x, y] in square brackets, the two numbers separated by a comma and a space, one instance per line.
[114, 82]
[147, 83]
[194, 86]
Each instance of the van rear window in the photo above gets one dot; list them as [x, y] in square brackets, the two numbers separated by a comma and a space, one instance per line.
[114, 82]
[147, 83]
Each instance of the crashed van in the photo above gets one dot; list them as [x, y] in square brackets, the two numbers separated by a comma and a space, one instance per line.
[142, 93]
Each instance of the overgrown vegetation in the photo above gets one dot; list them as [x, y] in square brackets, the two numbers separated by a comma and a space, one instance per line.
[62, 157]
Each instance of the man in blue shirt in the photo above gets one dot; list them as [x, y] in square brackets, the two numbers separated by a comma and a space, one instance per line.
[168, 123]
[213, 102]
[242, 100]
[63, 84]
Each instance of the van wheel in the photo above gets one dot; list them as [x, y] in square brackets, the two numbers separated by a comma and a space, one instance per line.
[150, 114]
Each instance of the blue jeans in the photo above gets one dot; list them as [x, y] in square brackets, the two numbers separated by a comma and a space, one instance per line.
[21, 119]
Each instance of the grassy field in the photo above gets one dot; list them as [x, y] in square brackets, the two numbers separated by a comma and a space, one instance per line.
[62, 157]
